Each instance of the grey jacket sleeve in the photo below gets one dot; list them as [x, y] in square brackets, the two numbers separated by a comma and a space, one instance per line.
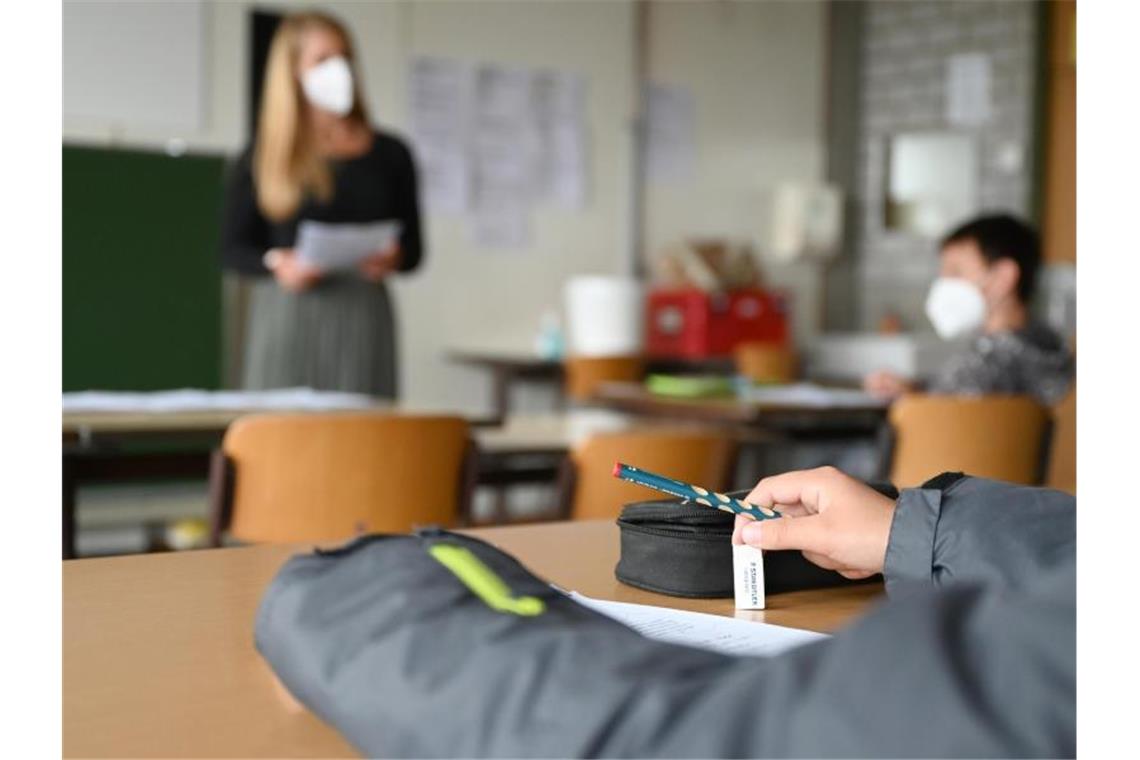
[978, 530]
[969, 672]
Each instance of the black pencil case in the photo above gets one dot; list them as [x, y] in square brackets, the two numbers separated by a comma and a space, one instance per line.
[683, 549]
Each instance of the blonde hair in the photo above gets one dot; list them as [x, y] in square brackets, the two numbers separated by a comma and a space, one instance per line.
[286, 165]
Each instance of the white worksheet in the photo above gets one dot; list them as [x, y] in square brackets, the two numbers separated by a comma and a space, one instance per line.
[332, 247]
[696, 629]
[810, 395]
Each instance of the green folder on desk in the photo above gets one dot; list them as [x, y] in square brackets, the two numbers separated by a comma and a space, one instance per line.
[690, 386]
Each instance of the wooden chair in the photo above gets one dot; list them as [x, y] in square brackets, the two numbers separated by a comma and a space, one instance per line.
[588, 489]
[585, 373]
[766, 362]
[327, 477]
[1063, 451]
[1001, 437]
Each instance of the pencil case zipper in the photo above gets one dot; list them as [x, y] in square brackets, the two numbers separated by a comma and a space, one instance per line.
[676, 520]
[718, 536]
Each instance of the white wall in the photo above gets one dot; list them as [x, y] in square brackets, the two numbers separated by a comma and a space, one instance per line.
[102, 78]
[756, 72]
[225, 69]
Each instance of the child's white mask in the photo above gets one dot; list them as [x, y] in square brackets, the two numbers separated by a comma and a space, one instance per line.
[956, 307]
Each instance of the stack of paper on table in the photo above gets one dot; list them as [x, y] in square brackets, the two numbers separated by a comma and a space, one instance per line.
[194, 400]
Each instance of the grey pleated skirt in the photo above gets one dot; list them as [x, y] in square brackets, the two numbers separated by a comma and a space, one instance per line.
[337, 336]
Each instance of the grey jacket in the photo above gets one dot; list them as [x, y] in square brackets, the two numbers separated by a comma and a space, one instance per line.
[973, 655]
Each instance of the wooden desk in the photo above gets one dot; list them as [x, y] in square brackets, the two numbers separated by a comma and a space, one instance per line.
[560, 431]
[509, 367]
[158, 656]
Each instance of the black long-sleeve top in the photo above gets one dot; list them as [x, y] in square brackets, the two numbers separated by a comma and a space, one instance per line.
[376, 186]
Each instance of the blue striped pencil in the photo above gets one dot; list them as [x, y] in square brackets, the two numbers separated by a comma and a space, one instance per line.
[692, 493]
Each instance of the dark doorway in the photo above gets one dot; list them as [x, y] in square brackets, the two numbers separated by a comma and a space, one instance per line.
[262, 26]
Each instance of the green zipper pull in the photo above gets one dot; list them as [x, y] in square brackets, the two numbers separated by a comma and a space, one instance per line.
[483, 581]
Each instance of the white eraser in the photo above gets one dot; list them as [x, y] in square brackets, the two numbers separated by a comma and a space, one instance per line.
[748, 577]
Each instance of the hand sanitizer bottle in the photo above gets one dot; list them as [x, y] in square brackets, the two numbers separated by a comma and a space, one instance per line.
[548, 344]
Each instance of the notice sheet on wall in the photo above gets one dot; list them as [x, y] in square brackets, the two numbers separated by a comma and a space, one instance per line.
[441, 94]
[968, 89]
[670, 133]
[506, 148]
[494, 140]
[560, 103]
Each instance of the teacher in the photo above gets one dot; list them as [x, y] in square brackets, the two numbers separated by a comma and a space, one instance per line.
[317, 157]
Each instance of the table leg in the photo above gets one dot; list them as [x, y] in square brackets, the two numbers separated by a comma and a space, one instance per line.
[500, 508]
[68, 517]
[501, 399]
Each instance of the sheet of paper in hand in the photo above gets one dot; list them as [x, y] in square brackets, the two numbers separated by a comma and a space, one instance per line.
[332, 247]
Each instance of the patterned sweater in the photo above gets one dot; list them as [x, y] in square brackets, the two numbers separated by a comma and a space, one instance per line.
[1032, 360]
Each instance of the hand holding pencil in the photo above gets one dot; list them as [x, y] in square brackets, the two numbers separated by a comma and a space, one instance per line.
[838, 522]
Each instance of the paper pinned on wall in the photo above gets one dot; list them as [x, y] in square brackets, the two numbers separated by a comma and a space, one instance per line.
[670, 133]
[441, 96]
[560, 105]
[506, 140]
[968, 89]
[505, 156]
[492, 140]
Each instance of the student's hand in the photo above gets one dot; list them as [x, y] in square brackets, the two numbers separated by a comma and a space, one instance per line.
[886, 384]
[836, 521]
[381, 264]
[291, 274]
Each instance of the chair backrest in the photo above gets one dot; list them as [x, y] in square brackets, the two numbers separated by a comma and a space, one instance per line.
[317, 477]
[1001, 437]
[1063, 452]
[766, 362]
[697, 457]
[585, 373]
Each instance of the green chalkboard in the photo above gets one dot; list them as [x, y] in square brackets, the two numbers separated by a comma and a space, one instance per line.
[142, 303]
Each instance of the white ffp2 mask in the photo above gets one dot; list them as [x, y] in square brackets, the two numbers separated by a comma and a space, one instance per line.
[956, 307]
[328, 85]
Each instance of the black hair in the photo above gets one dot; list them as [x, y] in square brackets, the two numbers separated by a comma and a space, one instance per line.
[1001, 236]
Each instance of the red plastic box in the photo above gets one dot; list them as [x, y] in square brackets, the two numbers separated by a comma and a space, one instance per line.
[693, 324]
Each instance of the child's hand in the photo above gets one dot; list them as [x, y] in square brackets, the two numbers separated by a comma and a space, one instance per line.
[835, 520]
